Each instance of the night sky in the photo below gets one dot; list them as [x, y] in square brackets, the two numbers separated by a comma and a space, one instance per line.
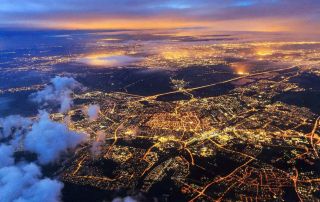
[224, 15]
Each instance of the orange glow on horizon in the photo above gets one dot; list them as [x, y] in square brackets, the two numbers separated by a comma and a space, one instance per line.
[263, 25]
[121, 24]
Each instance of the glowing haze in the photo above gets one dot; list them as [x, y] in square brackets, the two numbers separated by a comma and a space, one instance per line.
[224, 15]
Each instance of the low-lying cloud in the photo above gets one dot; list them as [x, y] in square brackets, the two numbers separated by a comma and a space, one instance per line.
[13, 125]
[6, 155]
[49, 139]
[22, 181]
[98, 143]
[93, 112]
[125, 199]
[58, 93]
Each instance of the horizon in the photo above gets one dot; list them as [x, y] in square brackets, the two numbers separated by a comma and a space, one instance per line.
[159, 100]
[232, 15]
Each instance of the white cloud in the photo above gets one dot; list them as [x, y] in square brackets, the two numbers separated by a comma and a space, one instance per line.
[93, 112]
[125, 199]
[58, 92]
[21, 183]
[6, 155]
[97, 144]
[13, 126]
[44, 190]
[49, 139]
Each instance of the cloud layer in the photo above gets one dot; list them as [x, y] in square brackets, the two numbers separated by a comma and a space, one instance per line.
[58, 92]
[93, 112]
[49, 139]
[6, 155]
[13, 126]
[97, 144]
[292, 15]
[22, 181]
